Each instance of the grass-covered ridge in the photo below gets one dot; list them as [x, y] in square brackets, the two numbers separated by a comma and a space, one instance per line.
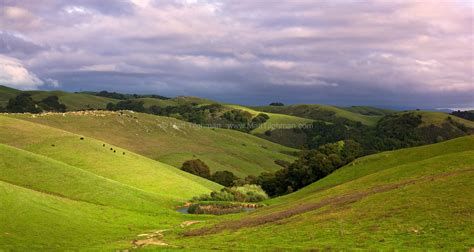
[321, 112]
[172, 141]
[73, 101]
[417, 198]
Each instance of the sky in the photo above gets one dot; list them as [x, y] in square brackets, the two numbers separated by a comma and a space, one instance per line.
[379, 53]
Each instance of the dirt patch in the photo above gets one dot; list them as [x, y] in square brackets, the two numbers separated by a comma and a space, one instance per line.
[188, 223]
[154, 238]
[300, 209]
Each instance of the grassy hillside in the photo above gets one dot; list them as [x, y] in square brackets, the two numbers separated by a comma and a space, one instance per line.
[6, 93]
[438, 118]
[60, 192]
[73, 101]
[275, 121]
[91, 155]
[321, 112]
[369, 111]
[172, 141]
[148, 102]
[417, 198]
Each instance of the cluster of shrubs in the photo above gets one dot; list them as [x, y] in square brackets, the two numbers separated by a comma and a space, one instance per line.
[394, 131]
[276, 104]
[199, 168]
[133, 105]
[24, 103]
[120, 96]
[219, 208]
[311, 166]
[468, 114]
[245, 193]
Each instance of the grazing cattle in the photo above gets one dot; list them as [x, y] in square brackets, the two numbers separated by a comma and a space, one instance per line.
[82, 138]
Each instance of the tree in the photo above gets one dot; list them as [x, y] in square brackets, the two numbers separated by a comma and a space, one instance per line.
[23, 103]
[127, 105]
[225, 178]
[277, 104]
[197, 167]
[51, 103]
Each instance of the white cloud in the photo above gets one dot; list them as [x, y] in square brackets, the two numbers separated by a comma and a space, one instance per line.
[14, 74]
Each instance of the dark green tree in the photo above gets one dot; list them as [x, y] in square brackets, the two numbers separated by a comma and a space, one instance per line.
[197, 167]
[225, 178]
[51, 103]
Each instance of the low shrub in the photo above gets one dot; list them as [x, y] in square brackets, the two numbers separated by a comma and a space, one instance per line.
[245, 193]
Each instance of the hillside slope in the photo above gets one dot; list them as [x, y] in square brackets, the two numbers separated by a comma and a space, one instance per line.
[73, 101]
[106, 161]
[275, 121]
[321, 112]
[172, 141]
[61, 192]
[417, 198]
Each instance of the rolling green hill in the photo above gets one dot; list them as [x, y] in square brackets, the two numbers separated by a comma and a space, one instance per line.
[6, 93]
[73, 101]
[416, 199]
[172, 141]
[438, 118]
[58, 191]
[369, 111]
[320, 112]
[275, 121]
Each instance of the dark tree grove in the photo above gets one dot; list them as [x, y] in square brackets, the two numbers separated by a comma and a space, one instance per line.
[23, 103]
[127, 105]
[197, 167]
[277, 104]
[51, 103]
[225, 178]
[468, 114]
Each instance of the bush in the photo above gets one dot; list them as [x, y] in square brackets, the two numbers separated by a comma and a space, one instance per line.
[51, 103]
[196, 167]
[127, 105]
[246, 193]
[225, 178]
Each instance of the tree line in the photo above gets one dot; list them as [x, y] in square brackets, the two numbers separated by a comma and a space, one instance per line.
[24, 103]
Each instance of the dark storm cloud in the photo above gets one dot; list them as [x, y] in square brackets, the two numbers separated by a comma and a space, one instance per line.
[373, 52]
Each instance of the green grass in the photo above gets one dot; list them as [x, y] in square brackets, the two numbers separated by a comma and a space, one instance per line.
[366, 110]
[412, 199]
[438, 118]
[6, 93]
[157, 138]
[90, 155]
[275, 121]
[148, 102]
[73, 101]
[312, 111]
[78, 194]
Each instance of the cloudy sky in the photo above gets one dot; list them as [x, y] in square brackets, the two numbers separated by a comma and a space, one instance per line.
[383, 53]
